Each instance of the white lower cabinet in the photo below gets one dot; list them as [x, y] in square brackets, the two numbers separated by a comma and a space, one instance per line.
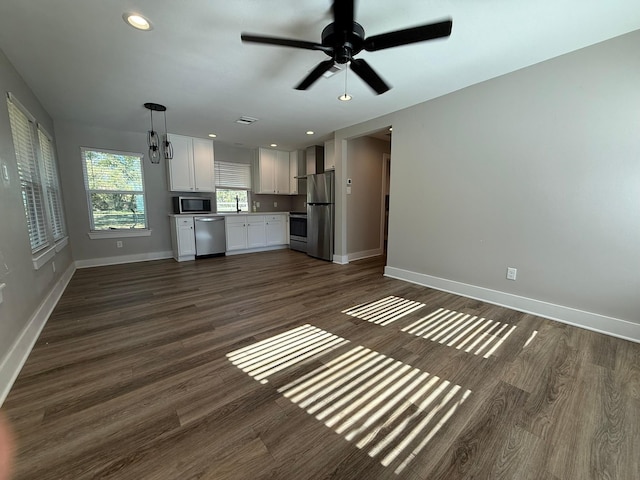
[250, 232]
[276, 230]
[183, 238]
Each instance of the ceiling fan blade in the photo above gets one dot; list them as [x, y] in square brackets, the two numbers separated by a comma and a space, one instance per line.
[371, 78]
[315, 74]
[343, 12]
[409, 35]
[285, 42]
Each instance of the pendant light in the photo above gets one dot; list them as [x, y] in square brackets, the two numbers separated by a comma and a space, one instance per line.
[153, 139]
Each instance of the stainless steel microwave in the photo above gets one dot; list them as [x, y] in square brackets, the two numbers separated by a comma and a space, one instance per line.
[191, 205]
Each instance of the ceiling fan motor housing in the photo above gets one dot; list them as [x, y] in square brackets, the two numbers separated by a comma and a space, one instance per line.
[345, 43]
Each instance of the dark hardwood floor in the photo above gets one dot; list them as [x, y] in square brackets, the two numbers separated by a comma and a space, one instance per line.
[278, 366]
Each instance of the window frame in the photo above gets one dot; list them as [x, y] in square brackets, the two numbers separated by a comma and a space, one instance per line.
[114, 232]
[233, 183]
[36, 199]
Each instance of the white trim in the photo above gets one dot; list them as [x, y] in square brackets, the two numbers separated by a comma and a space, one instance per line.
[591, 321]
[341, 259]
[15, 359]
[365, 254]
[255, 250]
[134, 232]
[60, 244]
[43, 257]
[139, 257]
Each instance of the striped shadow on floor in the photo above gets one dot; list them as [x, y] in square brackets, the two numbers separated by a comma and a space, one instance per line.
[385, 407]
[479, 336]
[384, 311]
[272, 355]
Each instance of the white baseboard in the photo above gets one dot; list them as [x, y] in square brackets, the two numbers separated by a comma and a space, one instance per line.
[15, 359]
[365, 254]
[256, 250]
[591, 321]
[139, 257]
[341, 259]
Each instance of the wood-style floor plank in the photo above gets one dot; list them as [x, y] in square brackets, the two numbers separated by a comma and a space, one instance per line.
[279, 366]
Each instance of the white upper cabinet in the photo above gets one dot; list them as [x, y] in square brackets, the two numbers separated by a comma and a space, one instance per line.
[329, 155]
[272, 172]
[191, 168]
[293, 172]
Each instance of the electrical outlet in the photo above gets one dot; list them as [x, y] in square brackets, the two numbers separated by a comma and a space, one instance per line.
[511, 273]
[275, 204]
[258, 204]
[119, 244]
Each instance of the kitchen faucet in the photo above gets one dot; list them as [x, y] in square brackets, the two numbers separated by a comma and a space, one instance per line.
[238, 205]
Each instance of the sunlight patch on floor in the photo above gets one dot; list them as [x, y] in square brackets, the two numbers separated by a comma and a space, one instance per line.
[384, 311]
[274, 354]
[479, 336]
[384, 406]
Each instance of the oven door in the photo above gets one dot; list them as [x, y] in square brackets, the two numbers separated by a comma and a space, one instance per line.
[298, 232]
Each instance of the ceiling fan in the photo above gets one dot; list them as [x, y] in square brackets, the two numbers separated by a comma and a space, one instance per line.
[344, 38]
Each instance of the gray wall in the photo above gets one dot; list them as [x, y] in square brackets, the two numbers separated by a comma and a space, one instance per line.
[26, 288]
[364, 207]
[539, 170]
[72, 136]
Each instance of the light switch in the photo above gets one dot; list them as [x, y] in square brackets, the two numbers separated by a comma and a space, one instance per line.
[348, 190]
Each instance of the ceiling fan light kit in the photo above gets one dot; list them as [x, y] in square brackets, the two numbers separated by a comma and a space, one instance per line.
[344, 38]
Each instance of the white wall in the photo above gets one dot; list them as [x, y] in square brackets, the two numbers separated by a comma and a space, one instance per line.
[26, 289]
[538, 170]
[71, 136]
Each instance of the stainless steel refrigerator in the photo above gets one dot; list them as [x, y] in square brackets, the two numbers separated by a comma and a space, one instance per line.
[320, 215]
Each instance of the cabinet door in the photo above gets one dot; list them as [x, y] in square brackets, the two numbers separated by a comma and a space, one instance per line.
[236, 233]
[329, 155]
[181, 165]
[186, 237]
[275, 228]
[256, 234]
[293, 172]
[203, 165]
[267, 164]
[282, 173]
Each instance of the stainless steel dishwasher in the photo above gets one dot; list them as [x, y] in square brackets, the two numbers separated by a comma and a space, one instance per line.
[210, 236]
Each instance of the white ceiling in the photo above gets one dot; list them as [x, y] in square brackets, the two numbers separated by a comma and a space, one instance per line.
[86, 65]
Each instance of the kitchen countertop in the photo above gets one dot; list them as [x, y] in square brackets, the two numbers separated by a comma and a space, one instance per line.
[224, 214]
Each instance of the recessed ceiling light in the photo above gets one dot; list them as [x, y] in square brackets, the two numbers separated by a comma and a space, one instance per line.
[345, 98]
[310, 132]
[274, 144]
[137, 21]
[212, 135]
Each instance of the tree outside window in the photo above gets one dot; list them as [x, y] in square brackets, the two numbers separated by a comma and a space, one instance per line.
[115, 189]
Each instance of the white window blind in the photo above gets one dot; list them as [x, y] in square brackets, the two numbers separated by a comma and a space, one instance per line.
[115, 189]
[233, 175]
[52, 184]
[23, 133]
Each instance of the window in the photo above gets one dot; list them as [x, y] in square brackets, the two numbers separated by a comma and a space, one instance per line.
[115, 189]
[233, 180]
[39, 182]
[52, 185]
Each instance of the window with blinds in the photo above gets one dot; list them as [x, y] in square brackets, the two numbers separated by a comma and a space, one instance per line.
[233, 175]
[115, 189]
[52, 185]
[233, 182]
[24, 141]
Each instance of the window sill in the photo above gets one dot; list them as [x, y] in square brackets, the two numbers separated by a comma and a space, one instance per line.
[60, 244]
[97, 235]
[43, 257]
